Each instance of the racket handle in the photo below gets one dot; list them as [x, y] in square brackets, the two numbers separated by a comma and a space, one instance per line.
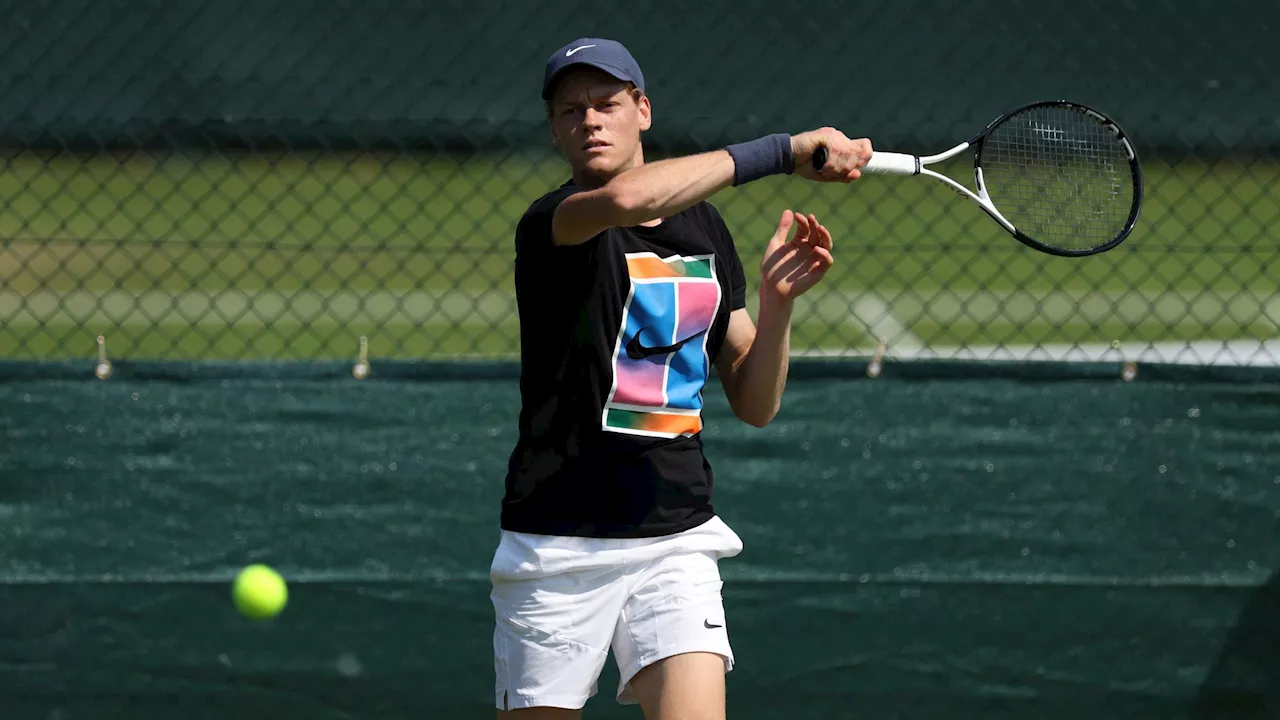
[819, 157]
[881, 163]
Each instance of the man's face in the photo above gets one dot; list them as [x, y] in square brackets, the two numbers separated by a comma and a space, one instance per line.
[596, 120]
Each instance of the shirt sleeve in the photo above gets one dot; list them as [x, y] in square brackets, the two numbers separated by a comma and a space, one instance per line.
[723, 240]
[541, 266]
[533, 233]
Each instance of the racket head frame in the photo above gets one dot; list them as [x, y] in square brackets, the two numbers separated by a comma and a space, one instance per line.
[905, 164]
[978, 142]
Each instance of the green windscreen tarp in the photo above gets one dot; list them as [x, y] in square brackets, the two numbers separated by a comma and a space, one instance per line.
[948, 540]
[1179, 75]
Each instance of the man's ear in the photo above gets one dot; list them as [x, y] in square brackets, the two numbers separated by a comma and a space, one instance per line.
[551, 128]
[646, 113]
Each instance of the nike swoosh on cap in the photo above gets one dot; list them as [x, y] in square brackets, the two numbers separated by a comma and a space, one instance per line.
[569, 53]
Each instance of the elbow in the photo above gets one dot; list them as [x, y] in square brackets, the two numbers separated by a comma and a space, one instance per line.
[630, 206]
[759, 416]
[756, 409]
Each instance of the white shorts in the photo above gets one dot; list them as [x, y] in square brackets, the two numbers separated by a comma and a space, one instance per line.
[561, 603]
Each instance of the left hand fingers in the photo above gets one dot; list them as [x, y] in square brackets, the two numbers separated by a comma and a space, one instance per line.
[824, 258]
[803, 226]
[816, 234]
[823, 236]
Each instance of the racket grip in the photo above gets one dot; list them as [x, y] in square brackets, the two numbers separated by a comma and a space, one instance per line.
[819, 157]
[888, 163]
[881, 163]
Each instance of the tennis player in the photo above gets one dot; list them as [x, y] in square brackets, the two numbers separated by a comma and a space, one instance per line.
[629, 290]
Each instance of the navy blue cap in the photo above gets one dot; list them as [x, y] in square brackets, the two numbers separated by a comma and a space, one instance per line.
[607, 55]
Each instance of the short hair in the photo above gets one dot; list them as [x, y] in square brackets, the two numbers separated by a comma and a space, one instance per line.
[635, 93]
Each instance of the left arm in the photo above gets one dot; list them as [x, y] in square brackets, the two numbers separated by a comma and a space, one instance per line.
[753, 361]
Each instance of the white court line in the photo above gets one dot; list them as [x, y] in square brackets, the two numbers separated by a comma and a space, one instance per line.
[1024, 307]
[869, 310]
[878, 314]
[256, 306]
[875, 313]
[1257, 353]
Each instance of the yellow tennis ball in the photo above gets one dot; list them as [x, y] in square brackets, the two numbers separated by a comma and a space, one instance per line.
[259, 592]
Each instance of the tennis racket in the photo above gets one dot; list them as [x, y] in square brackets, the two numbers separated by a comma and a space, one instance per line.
[1060, 177]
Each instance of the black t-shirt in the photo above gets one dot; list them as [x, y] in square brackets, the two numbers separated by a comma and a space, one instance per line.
[618, 337]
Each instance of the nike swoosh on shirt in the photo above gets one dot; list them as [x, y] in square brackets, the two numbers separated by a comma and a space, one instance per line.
[637, 351]
[569, 53]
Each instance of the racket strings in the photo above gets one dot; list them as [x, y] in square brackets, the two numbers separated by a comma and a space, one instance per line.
[1060, 176]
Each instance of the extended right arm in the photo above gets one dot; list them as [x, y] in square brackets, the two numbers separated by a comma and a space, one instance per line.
[647, 192]
[666, 187]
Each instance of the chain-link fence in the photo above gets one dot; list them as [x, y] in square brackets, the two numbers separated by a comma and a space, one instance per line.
[278, 179]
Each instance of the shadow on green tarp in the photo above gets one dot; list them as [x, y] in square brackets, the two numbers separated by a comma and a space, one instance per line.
[951, 539]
